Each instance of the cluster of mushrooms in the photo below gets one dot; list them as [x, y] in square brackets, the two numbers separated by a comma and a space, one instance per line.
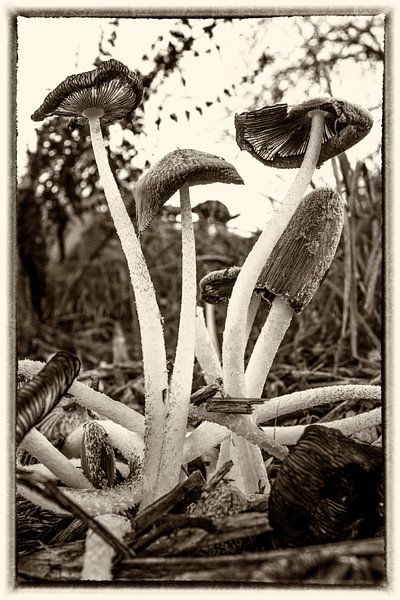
[283, 270]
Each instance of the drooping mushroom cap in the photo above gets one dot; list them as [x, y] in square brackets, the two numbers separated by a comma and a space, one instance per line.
[278, 135]
[111, 88]
[216, 287]
[174, 170]
[304, 252]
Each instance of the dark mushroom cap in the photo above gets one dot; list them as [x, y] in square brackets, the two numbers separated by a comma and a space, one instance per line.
[111, 88]
[213, 210]
[328, 489]
[38, 396]
[278, 135]
[97, 455]
[216, 286]
[304, 252]
[174, 170]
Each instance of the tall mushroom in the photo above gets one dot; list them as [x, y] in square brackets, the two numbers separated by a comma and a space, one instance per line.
[177, 171]
[105, 95]
[285, 137]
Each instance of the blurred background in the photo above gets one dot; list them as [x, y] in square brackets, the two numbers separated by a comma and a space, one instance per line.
[73, 285]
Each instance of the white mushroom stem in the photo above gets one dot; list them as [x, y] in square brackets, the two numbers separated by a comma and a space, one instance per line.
[211, 326]
[130, 444]
[150, 321]
[98, 556]
[208, 435]
[234, 341]
[96, 401]
[251, 313]
[290, 434]
[205, 351]
[266, 347]
[306, 399]
[248, 471]
[181, 379]
[38, 446]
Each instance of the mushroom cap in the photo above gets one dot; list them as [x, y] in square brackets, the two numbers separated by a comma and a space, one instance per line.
[40, 394]
[328, 489]
[278, 135]
[111, 87]
[97, 455]
[167, 176]
[214, 210]
[216, 286]
[304, 252]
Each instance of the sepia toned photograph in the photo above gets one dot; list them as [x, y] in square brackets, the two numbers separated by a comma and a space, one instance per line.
[198, 243]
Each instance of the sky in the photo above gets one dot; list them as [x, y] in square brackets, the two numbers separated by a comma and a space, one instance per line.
[49, 49]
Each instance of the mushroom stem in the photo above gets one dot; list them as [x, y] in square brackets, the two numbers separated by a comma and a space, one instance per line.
[251, 313]
[208, 434]
[152, 337]
[306, 399]
[36, 444]
[266, 347]
[210, 320]
[181, 380]
[95, 401]
[290, 434]
[205, 352]
[234, 341]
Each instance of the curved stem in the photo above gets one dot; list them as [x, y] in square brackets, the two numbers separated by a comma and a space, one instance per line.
[96, 401]
[151, 331]
[234, 341]
[266, 347]
[306, 399]
[290, 434]
[208, 434]
[36, 444]
[181, 380]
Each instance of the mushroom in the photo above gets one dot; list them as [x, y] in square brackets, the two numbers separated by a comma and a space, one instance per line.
[278, 135]
[293, 273]
[97, 455]
[328, 489]
[177, 171]
[282, 136]
[216, 288]
[35, 400]
[107, 94]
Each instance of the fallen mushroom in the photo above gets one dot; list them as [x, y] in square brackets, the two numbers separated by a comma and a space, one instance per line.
[35, 399]
[177, 171]
[288, 137]
[293, 273]
[329, 488]
[107, 94]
